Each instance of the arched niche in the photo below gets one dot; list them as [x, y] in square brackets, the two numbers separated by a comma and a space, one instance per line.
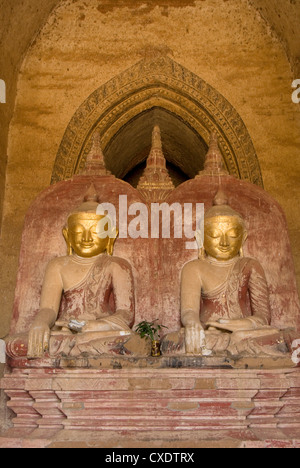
[183, 147]
[162, 92]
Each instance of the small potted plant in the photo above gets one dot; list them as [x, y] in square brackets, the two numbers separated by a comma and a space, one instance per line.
[151, 330]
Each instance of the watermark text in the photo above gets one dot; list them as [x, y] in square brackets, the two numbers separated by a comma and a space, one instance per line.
[296, 353]
[160, 220]
[152, 457]
[2, 92]
[296, 93]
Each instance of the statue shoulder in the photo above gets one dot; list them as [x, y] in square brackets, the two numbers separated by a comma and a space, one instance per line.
[250, 261]
[120, 263]
[251, 264]
[58, 262]
[53, 272]
[192, 267]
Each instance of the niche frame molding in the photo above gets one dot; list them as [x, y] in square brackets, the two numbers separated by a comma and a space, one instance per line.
[158, 82]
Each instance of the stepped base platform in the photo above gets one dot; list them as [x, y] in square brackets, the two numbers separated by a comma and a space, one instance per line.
[153, 407]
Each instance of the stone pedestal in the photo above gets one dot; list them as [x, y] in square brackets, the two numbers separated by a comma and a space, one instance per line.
[153, 407]
[122, 399]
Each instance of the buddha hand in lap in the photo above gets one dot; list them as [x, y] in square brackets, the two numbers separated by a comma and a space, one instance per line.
[87, 299]
[224, 296]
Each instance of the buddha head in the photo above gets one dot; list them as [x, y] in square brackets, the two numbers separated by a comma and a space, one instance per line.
[82, 233]
[224, 230]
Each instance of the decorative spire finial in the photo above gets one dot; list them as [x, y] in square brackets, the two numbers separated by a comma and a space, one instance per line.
[155, 183]
[156, 158]
[156, 138]
[214, 164]
[95, 164]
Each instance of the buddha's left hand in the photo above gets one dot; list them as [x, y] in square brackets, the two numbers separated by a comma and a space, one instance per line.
[85, 326]
[232, 325]
[96, 325]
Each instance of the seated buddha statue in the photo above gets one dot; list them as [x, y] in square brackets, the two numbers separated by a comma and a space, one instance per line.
[87, 303]
[224, 295]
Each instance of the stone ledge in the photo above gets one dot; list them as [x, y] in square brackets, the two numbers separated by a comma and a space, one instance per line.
[162, 362]
[90, 439]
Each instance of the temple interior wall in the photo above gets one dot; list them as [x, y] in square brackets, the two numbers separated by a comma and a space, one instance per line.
[83, 44]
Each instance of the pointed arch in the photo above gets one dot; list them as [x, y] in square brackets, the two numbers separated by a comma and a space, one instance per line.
[165, 87]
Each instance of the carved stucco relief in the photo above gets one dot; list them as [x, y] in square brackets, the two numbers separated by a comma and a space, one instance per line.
[158, 83]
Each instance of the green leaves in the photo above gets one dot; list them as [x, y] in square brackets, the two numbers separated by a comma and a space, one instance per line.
[149, 329]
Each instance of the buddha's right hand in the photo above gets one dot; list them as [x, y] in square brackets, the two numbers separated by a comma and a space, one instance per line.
[38, 340]
[194, 338]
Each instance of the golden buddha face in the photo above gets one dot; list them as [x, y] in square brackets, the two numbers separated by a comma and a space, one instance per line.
[224, 237]
[83, 238]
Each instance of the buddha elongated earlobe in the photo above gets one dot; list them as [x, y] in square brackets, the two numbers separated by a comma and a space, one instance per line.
[202, 253]
[110, 247]
[199, 239]
[244, 240]
[66, 237]
[111, 242]
[70, 250]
